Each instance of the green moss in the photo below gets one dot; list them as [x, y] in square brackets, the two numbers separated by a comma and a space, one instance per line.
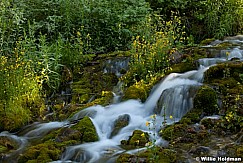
[87, 130]
[207, 41]
[138, 139]
[115, 54]
[45, 152]
[182, 67]
[192, 117]
[124, 158]
[173, 131]
[239, 151]
[135, 92]
[92, 82]
[224, 70]
[157, 154]
[206, 100]
[3, 149]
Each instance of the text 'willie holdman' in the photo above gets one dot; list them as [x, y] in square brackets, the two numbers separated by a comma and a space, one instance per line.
[220, 159]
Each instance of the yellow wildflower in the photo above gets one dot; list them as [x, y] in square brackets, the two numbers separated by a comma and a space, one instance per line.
[143, 135]
[147, 123]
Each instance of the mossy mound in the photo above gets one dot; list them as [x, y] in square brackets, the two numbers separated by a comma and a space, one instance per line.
[173, 131]
[87, 130]
[138, 139]
[182, 67]
[136, 92]
[67, 134]
[153, 154]
[224, 70]
[42, 153]
[207, 41]
[192, 117]
[206, 100]
[92, 84]
[7, 144]
[53, 144]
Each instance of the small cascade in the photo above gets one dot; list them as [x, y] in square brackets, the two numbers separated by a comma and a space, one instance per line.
[176, 101]
[211, 61]
[20, 142]
[43, 128]
[235, 53]
[117, 92]
[116, 66]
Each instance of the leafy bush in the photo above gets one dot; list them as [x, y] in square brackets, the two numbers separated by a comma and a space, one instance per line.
[204, 19]
[104, 25]
[150, 52]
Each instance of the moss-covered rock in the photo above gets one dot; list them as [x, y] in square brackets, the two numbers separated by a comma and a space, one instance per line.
[138, 139]
[224, 70]
[7, 144]
[206, 100]
[42, 153]
[207, 41]
[136, 92]
[173, 131]
[87, 130]
[67, 134]
[192, 117]
[124, 158]
[154, 154]
[182, 67]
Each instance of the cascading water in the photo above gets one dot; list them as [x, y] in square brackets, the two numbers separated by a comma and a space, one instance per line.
[173, 96]
[104, 117]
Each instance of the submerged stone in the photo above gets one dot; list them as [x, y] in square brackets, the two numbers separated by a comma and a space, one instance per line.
[122, 121]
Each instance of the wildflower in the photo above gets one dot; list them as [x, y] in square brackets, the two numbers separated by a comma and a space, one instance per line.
[147, 123]
[143, 135]
[137, 141]
[153, 116]
[171, 117]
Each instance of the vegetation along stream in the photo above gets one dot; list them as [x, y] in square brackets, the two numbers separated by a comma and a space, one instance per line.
[124, 81]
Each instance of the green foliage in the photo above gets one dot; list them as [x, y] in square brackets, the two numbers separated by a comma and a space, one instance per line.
[19, 93]
[103, 25]
[204, 19]
[150, 53]
[233, 120]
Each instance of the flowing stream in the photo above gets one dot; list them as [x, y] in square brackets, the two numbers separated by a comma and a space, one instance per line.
[173, 96]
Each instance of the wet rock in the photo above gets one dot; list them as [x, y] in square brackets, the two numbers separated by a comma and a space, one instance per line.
[122, 121]
[176, 57]
[67, 134]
